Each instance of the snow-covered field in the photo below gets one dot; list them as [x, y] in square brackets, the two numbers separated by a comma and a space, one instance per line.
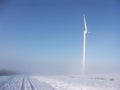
[73, 82]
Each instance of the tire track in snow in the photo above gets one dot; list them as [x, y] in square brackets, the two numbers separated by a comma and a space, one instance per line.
[40, 85]
[27, 84]
[23, 83]
[31, 84]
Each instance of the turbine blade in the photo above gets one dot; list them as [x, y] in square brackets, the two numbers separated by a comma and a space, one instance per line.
[85, 25]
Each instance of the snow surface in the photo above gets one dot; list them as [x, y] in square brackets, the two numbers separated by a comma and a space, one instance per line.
[23, 83]
[73, 82]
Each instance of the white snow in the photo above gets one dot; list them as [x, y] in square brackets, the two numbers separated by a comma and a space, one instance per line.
[85, 82]
[73, 82]
[22, 83]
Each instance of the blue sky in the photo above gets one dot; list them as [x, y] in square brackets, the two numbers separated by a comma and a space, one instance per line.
[46, 36]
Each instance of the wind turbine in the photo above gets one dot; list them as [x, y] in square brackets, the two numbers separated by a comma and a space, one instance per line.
[84, 45]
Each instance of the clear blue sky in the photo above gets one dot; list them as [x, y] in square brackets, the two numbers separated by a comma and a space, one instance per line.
[46, 36]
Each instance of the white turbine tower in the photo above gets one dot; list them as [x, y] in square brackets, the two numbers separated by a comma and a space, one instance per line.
[84, 45]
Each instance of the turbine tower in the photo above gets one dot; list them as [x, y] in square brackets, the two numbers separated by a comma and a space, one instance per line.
[84, 45]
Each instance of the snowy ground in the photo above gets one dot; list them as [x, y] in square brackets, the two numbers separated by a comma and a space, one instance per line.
[23, 83]
[73, 82]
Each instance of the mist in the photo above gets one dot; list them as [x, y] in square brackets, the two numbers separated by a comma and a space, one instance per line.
[46, 37]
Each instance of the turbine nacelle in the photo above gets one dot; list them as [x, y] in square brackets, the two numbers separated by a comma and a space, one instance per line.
[85, 32]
